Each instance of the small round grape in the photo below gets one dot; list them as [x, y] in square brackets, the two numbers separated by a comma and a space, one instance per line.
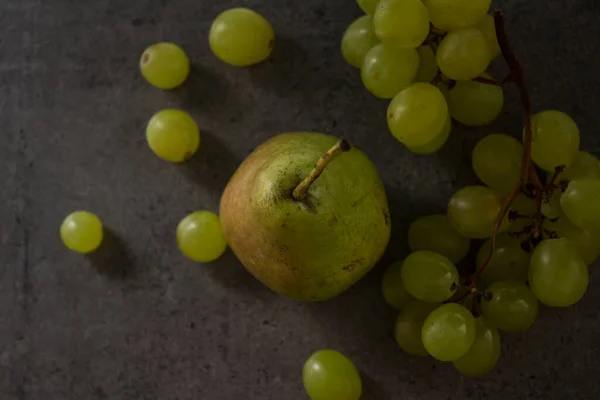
[165, 65]
[82, 232]
[173, 135]
[200, 236]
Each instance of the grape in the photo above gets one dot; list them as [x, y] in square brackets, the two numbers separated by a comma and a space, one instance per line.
[368, 6]
[512, 306]
[587, 242]
[165, 65]
[451, 14]
[200, 236]
[82, 232]
[475, 104]
[509, 261]
[525, 206]
[392, 287]
[463, 54]
[487, 26]
[417, 114]
[241, 37]
[436, 233]
[558, 276]
[555, 139]
[173, 135]
[427, 64]
[551, 208]
[473, 211]
[483, 356]
[436, 143]
[402, 23]
[497, 162]
[328, 374]
[358, 39]
[448, 332]
[584, 165]
[581, 203]
[386, 70]
[409, 325]
[429, 276]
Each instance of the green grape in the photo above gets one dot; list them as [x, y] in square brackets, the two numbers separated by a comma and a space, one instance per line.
[587, 242]
[452, 14]
[512, 307]
[581, 203]
[402, 23]
[392, 287]
[436, 143]
[328, 374]
[463, 54]
[555, 139]
[368, 6]
[436, 233]
[358, 39]
[427, 64]
[584, 165]
[551, 208]
[409, 325]
[487, 26]
[448, 332]
[473, 210]
[241, 37]
[429, 276]
[525, 206]
[386, 70]
[82, 232]
[173, 135]
[509, 261]
[497, 162]
[165, 65]
[200, 236]
[483, 356]
[475, 104]
[417, 114]
[558, 276]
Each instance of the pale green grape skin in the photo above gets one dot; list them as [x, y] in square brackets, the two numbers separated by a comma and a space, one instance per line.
[509, 261]
[402, 23]
[165, 65]
[241, 37]
[473, 211]
[524, 206]
[417, 114]
[328, 374]
[584, 165]
[558, 276]
[392, 287]
[551, 208]
[427, 64]
[586, 241]
[512, 306]
[386, 70]
[487, 26]
[497, 162]
[436, 233]
[173, 135]
[452, 14]
[483, 356]
[463, 54]
[82, 232]
[358, 39]
[475, 104]
[200, 236]
[368, 6]
[409, 324]
[555, 139]
[581, 203]
[436, 143]
[429, 276]
[448, 332]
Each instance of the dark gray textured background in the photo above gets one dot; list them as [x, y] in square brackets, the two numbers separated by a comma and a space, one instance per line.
[138, 320]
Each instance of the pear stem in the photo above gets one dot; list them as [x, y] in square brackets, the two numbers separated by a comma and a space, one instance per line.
[340, 147]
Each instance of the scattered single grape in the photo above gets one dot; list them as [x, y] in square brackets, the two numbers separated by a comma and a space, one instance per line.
[436, 233]
[449, 332]
[200, 237]
[436, 143]
[509, 261]
[464, 54]
[358, 39]
[452, 14]
[392, 287]
[497, 162]
[483, 356]
[409, 325]
[402, 23]
[429, 276]
[587, 242]
[173, 135]
[473, 210]
[487, 26]
[328, 374]
[386, 69]
[509, 306]
[581, 203]
[558, 276]
[475, 104]
[241, 37]
[555, 139]
[165, 65]
[368, 6]
[427, 64]
[82, 232]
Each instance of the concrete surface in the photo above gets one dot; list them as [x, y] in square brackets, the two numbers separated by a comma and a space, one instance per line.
[138, 320]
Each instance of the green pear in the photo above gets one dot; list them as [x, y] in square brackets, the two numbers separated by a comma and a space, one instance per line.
[308, 231]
